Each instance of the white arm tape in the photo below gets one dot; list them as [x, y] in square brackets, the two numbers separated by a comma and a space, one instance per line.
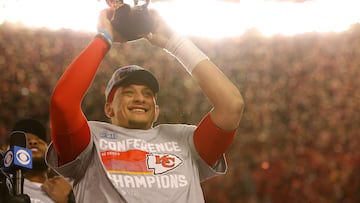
[185, 52]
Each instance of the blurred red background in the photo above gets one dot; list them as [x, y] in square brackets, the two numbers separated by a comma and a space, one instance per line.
[298, 140]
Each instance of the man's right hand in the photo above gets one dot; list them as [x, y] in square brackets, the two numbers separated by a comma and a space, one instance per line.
[104, 23]
[57, 188]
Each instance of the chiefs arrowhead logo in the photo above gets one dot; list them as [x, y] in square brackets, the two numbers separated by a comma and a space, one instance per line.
[162, 163]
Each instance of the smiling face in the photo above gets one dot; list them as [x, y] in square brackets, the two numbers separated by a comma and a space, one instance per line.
[133, 106]
[37, 146]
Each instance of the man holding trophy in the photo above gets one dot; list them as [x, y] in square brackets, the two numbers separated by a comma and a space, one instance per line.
[129, 159]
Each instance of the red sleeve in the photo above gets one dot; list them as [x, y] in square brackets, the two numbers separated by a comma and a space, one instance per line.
[69, 129]
[210, 141]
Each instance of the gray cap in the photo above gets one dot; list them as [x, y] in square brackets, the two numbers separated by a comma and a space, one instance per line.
[131, 74]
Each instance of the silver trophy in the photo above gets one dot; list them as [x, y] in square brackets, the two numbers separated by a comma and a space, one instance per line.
[131, 21]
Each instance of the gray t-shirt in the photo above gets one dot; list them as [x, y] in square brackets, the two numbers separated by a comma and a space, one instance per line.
[129, 165]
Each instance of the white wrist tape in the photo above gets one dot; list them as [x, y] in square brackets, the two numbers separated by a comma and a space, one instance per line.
[185, 52]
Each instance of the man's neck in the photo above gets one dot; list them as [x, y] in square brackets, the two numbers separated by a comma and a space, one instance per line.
[36, 176]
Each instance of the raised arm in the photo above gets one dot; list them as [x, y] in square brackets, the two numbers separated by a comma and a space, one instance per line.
[225, 97]
[215, 133]
[69, 129]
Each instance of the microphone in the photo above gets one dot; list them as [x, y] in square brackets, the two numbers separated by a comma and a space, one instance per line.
[18, 159]
[1, 158]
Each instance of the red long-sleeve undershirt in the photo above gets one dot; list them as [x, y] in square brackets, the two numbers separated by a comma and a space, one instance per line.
[70, 131]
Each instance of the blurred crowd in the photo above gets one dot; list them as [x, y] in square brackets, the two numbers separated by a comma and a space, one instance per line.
[299, 137]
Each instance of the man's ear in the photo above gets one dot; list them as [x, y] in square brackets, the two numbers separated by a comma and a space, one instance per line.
[157, 112]
[108, 110]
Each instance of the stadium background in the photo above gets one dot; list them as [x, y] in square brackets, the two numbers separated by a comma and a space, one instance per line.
[298, 140]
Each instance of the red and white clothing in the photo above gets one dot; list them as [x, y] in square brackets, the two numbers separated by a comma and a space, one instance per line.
[109, 163]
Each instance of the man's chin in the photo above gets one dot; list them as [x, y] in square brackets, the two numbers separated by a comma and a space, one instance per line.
[138, 124]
